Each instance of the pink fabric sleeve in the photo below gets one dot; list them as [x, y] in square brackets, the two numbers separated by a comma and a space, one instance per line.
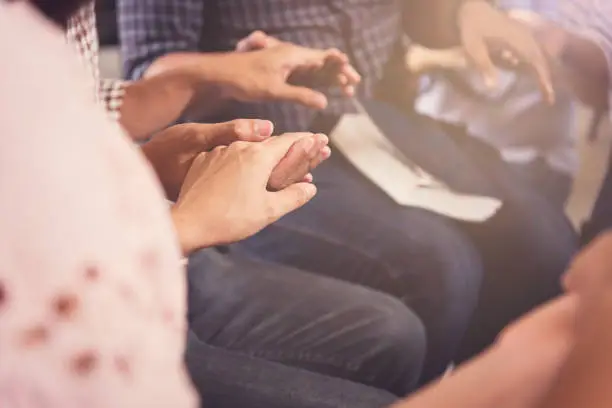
[92, 296]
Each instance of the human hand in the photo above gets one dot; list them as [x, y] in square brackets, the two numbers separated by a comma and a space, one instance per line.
[172, 151]
[485, 31]
[335, 71]
[300, 160]
[225, 197]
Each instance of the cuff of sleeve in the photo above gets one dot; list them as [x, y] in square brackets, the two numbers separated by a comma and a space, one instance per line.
[112, 93]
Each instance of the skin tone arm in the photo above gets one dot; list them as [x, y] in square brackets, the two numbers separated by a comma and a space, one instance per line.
[585, 379]
[151, 104]
[181, 83]
[514, 373]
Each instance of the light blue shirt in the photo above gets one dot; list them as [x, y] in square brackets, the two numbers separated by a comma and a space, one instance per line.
[514, 117]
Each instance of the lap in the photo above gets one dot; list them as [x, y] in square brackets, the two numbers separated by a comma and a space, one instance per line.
[226, 379]
[282, 314]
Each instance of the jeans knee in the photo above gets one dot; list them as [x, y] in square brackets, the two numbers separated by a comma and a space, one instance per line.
[395, 357]
[443, 281]
[547, 238]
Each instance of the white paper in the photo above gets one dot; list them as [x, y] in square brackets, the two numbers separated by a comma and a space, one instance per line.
[358, 138]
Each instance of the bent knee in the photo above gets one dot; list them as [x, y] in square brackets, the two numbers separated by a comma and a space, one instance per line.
[395, 355]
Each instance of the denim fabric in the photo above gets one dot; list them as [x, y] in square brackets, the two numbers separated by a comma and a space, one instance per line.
[525, 247]
[297, 319]
[226, 379]
[428, 261]
[601, 217]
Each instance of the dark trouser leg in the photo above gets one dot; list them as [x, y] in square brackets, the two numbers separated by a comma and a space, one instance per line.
[226, 379]
[353, 233]
[281, 314]
[601, 217]
[525, 248]
[553, 185]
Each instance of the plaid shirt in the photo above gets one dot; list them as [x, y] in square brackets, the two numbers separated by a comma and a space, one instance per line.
[81, 31]
[368, 30]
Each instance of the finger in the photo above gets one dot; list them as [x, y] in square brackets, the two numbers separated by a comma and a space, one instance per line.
[257, 40]
[301, 95]
[253, 130]
[351, 74]
[477, 52]
[542, 69]
[308, 178]
[349, 91]
[209, 136]
[291, 198]
[294, 165]
[277, 147]
[335, 56]
[302, 57]
[509, 57]
[324, 154]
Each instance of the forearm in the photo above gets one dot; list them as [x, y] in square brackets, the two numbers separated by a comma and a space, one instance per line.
[584, 381]
[153, 103]
[208, 68]
[499, 378]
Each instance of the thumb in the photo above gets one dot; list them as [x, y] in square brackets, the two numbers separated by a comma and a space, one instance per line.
[291, 198]
[478, 53]
[209, 136]
[257, 40]
[302, 95]
[276, 148]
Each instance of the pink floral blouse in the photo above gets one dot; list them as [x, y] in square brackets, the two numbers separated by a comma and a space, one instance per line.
[92, 294]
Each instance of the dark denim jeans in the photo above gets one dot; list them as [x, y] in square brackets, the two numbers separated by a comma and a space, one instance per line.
[228, 379]
[281, 314]
[429, 261]
[601, 217]
[362, 263]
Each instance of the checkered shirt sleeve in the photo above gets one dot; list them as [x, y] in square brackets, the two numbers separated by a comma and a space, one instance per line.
[81, 32]
[367, 30]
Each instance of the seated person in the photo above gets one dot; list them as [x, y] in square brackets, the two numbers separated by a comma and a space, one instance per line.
[92, 291]
[524, 248]
[81, 326]
[538, 139]
[244, 305]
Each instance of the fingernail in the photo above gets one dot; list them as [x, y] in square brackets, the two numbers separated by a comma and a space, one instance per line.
[326, 152]
[310, 190]
[320, 101]
[308, 145]
[263, 128]
[322, 139]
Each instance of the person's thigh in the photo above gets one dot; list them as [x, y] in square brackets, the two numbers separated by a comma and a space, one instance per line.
[552, 184]
[282, 314]
[228, 379]
[353, 233]
[525, 247]
[601, 217]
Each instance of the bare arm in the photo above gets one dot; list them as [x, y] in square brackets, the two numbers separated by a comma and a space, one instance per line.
[516, 372]
[146, 106]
